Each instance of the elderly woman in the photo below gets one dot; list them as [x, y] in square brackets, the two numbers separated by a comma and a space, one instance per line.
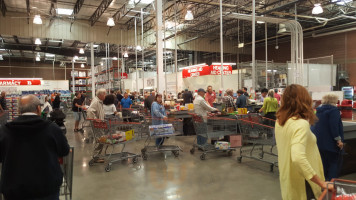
[229, 99]
[330, 135]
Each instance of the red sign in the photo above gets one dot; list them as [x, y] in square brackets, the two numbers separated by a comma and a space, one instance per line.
[16, 82]
[196, 71]
[216, 69]
[124, 76]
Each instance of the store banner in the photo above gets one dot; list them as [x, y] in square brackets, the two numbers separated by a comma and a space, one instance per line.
[196, 71]
[123, 75]
[215, 69]
[17, 82]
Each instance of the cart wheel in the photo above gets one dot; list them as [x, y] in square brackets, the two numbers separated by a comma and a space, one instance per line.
[175, 153]
[202, 157]
[108, 168]
[143, 151]
[192, 151]
[239, 159]
[91, 162]
[86, 140]
[261, 155]
[134, 160]
[144, 156]
[271, 168]
[229, 153]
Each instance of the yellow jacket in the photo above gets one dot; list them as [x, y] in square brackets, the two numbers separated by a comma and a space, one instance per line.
[298, 159]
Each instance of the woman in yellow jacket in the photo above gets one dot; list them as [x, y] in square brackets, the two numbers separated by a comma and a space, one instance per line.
[299, 162]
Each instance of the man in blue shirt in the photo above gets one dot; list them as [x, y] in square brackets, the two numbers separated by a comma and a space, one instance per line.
[263, 94]
[241, 99]
[126, 102]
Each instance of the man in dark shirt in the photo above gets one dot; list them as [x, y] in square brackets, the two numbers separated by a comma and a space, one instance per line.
[3, 105]
[150, 100]
[245, 92]
[187, 97]
[119, 96]
[241, 99]
[37, 144]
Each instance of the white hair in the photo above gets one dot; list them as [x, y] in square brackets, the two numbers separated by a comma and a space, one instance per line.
[100, 91]
[30, 106]
[330, 99]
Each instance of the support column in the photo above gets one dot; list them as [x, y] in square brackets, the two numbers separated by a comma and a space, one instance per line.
[136, 54]
[253, 46]
[53, 76]
[92, 70]
[221, 49]
[143, 55]
[175, 44]
[73, 79]
[266, 49]
[159, 46]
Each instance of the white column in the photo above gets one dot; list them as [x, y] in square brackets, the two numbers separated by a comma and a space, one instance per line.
[54, 77]
[221, 49]
[92, 70]
[253, 46]
[266, 49]
[175, 45]
[159, 46]
[73, 79]
[143, 55]
[136, 54]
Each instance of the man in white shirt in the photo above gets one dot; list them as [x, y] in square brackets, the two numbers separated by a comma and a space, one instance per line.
[201, 107]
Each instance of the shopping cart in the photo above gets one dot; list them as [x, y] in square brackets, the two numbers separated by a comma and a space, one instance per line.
[109, 134]
[67, 169]
[213, 128]
[343, 190]
[257, 131]
[176, 127]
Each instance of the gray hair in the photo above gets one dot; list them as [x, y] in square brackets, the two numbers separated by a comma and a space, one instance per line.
[271, 93]
[330, 99]
[101, 91]
[29, 106]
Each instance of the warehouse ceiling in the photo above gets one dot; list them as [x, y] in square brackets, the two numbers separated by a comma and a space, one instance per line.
[338, 14]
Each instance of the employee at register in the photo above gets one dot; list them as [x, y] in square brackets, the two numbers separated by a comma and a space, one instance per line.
[3, 106]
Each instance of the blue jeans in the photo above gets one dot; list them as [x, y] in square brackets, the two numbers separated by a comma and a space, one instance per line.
[201, 140]
[159, 142]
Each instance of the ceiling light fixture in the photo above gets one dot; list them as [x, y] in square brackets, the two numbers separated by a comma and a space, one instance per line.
[82, 65]
[81, 51]
[189, 16]
[37, 19]
[1, 58]
[38, 41]
[114, 58]
[126, 55]
[241, 45]
[75, 58]
[64, 11]
[282, 28]
[317, 9]
[341, 2]
[110, 22]
[101, 63]
[38, 58]
[260, 22]
[139, 48]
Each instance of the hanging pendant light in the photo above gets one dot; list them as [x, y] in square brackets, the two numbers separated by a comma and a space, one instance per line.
[38, 41]
[37, 19]
[189, 16]
[110, 22]
[126, 55]
[75, 58]
[317, 9]
[1, 58]
[139, 48]
[81, 51]
[82, 65]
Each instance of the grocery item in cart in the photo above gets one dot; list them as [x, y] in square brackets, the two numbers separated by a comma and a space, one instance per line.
[221, 145]
[164, 129]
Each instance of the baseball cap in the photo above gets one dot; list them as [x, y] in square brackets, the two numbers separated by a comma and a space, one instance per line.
[201, 90]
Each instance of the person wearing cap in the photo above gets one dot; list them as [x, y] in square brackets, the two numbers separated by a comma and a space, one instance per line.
[187, 97]
[201, 107]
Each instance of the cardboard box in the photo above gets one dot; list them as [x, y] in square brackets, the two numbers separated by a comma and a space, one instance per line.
[235, 140]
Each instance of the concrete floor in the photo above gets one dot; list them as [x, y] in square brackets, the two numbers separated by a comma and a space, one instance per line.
[164, 177]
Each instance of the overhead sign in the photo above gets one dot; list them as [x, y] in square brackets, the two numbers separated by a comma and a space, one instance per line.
[216, 69]
[196, 71]
[17, 82]
[123, 75]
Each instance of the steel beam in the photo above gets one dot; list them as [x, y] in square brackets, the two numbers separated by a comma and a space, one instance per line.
[78, 5]
[99, 11]
[28, 11]
[3, 7]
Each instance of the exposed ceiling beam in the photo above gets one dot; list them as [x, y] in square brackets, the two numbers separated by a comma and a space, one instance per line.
[99, 11]
[75, 43]
[3, 7]
[28, 11]
[212, 3]
[78, 5]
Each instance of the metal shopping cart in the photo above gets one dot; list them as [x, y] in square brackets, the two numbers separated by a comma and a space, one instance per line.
[258, 132]
[213, 128]
[67, 168]
[161, 131]
[343, 190]
[110, 133]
